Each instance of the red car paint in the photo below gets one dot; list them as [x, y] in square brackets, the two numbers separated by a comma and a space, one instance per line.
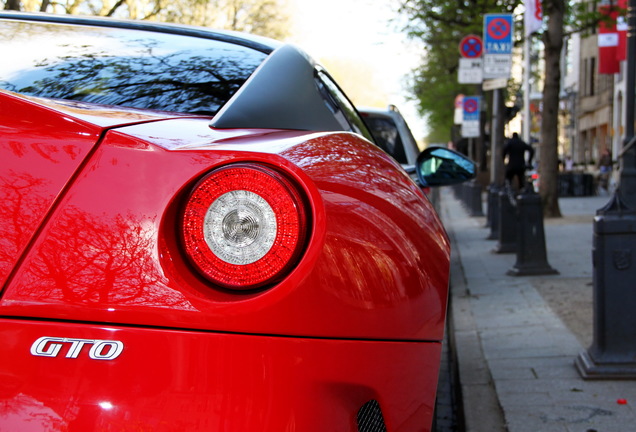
[105, 323]
[121, 209]
[91, 251]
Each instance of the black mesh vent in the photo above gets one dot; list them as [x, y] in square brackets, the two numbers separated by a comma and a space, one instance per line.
[370, 418]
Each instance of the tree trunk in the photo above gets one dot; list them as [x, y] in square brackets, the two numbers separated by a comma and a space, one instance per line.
[548, 152]
[12, 5]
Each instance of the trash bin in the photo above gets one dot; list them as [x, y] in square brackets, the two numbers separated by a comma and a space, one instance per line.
[578, 187]
[565, 184]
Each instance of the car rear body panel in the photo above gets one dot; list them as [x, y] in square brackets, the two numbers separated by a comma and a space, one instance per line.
[40, 151]
[111, 252]
[175, 380]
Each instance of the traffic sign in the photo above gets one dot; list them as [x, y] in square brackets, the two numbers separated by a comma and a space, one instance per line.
[497, 66]
[495, 83]
[470, 130]
[471, 108]
[470, 71]
[459, 109]
[471, 47]
[498, 31]
[471, 120]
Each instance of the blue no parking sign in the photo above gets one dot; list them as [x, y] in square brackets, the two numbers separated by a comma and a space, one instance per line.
[470, 122]
[471, 108]
[498, 30]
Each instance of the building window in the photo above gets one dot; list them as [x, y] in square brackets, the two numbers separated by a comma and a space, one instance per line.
[592, 76]
[584, 78]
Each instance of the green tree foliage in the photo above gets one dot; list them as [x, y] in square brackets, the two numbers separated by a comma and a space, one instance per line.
[142, 9]
[441, 24]
[434, 85]
[261, 17]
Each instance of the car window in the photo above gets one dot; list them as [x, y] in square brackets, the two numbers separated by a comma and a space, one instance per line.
[340, 106]
[124, 67]
[387, 137]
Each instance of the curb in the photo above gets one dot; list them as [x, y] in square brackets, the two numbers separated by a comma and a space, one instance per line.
[480, 408]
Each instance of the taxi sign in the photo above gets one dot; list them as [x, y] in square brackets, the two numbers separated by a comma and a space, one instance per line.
[498, 31]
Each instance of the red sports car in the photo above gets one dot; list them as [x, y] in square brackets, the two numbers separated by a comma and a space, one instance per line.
[196, 234]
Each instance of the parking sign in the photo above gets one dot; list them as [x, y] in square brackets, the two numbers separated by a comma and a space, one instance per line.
[498, 31]
[471, 108]
[471, 111]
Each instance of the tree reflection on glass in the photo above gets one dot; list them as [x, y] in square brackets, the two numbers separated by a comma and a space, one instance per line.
[130, 68]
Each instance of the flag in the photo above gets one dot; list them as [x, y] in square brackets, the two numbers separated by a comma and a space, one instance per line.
[533, 17]
[608, 62]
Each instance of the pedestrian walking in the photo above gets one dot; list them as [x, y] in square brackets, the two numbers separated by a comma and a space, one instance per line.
[515, 151]
[605, 170]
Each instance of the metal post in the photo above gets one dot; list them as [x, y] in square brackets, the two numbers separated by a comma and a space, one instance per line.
[532, 258]
[493, 212]
[612, 354]
[508, 222]
[527, 121]
[496, 163]
[496, 137]
[472, 198]
[628, 165]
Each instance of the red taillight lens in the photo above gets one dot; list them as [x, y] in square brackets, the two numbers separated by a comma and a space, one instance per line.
[244, 226]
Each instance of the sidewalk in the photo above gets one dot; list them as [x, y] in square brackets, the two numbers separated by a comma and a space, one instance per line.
[516, 338]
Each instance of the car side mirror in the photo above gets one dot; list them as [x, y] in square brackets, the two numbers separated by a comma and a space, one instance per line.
[439, 166]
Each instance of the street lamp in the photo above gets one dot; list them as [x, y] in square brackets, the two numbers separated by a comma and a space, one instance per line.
[612, 354]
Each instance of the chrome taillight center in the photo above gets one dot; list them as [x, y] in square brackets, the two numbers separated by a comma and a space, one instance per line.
[240, 227]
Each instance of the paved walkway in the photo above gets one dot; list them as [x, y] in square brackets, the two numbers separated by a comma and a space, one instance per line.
[516, 337]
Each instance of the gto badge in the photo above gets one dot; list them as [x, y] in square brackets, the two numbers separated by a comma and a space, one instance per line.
[100, 350]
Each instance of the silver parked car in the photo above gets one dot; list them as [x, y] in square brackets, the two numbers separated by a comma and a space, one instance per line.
[392, 134]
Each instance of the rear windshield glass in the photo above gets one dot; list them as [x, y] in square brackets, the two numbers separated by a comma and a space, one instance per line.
[131, 68]
[387, 136]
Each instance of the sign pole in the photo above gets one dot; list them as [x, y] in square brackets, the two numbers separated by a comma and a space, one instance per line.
[612, 354]
[527, 120]
[496, 138]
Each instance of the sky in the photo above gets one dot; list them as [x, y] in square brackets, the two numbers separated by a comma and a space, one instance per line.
[360, 44]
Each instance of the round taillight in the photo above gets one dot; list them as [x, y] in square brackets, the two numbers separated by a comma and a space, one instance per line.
[244, 226]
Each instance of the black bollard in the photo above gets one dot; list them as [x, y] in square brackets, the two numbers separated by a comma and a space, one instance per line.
[466, 196]
[488, 207]
[458, 191]
[531, 250]
[612, 354]
[508, 222]
[493, 212]
[474, 202]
